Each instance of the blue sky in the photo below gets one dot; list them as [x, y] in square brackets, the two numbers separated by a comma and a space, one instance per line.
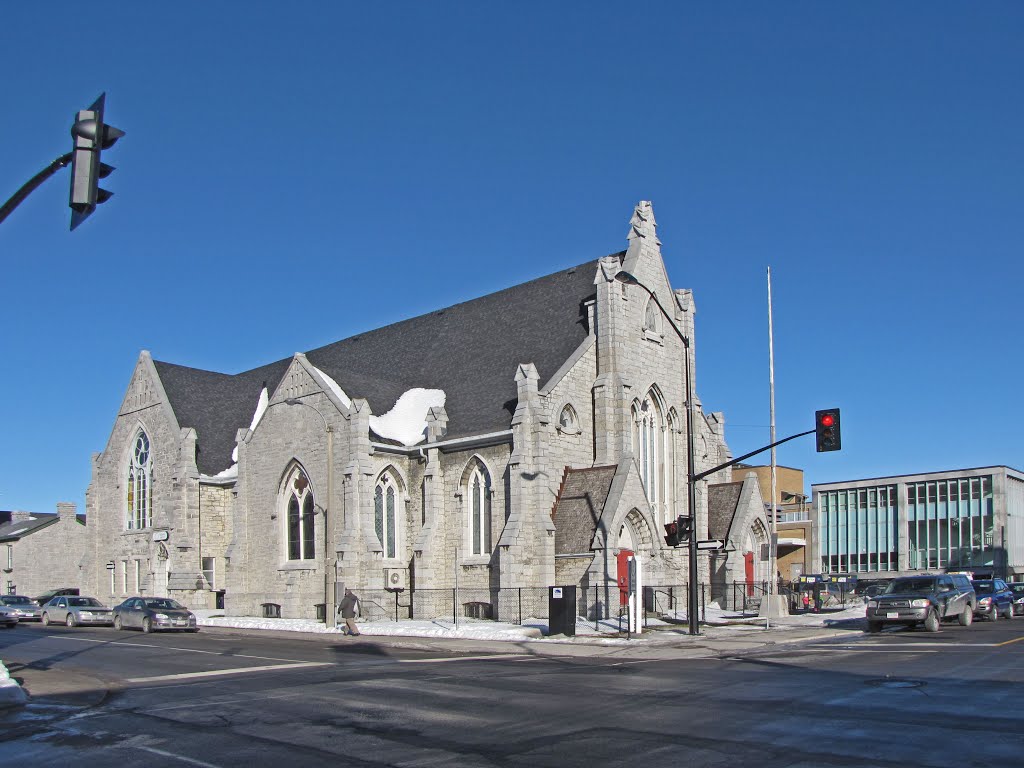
[293, 175]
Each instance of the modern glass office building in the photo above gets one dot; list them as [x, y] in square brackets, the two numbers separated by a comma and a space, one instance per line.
[969, 519]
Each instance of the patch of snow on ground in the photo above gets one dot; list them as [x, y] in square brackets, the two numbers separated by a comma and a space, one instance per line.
[11, 694]
[605, 632]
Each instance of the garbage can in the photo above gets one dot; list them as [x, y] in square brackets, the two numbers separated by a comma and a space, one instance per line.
[562, 611]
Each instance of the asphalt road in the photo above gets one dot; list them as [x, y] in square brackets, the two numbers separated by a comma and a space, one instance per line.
[227, 698]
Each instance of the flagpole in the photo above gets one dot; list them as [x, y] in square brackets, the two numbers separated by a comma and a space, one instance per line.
[771, 509]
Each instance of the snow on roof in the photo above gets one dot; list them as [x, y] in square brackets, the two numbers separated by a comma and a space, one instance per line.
[337, 390]
[261, 408]
[230, 473]
[407, 419]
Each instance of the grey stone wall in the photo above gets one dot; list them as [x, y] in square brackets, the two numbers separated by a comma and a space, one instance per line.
[47, 557]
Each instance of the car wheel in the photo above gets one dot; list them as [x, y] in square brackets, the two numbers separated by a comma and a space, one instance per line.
[874, 626]
[45, 619]
[147, 625]
[117, 623]
[994, 613]
[966, 617]
[931, 622]
[1009, 612]
[70, 620]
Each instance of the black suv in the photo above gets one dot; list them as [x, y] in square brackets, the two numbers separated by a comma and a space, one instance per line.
[926, 600]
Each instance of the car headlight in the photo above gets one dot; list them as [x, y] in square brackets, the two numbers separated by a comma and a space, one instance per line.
[191, 617]
[85, 614]
[920, 603]
[985, 601]
[160, 616]
[872, 603]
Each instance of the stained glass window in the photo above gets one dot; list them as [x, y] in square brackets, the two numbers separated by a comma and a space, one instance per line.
[139, 498]
[300, 517]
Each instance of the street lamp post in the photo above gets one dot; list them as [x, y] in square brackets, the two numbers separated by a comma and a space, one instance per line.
[330, 576]
[693, 624]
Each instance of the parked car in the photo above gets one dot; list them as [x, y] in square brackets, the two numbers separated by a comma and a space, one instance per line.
[46, 597]
[1018, 597]
[925, 600]
[154, 613]
[74, 610]
[8, 617]
[995, 599]
[25, 608]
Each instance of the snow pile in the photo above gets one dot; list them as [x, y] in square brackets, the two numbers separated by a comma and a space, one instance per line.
[11, 694]
[407, 420]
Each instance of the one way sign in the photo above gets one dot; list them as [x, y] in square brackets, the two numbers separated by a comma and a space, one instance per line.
[711, 544]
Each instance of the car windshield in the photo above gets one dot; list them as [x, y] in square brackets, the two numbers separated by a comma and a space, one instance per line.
[164, 603]
[910, 585]
[982, 586]
[16, 600]
[84, 602]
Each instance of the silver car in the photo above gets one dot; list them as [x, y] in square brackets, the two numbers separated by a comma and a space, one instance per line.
[8, 617]
[74, 610]
[153, 613]
[25, 608]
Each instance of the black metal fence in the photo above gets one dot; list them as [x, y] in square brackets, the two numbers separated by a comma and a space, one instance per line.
[604, 604]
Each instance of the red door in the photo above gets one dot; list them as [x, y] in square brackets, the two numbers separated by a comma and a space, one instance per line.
[623, 575]
[748, 566]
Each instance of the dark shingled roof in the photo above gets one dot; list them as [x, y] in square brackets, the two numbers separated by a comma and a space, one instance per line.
[469, 350]
[722, 501]
[13, 530]
[579, 506]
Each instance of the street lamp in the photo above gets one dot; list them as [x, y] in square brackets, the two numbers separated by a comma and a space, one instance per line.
[691, 492]
[329, 567]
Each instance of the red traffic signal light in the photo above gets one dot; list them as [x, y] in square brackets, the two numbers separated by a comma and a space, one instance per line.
[672, 534]
[826, 430]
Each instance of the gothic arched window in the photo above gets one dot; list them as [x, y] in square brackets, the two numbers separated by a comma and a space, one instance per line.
[385, 511]
[654, 451]
[478, 505]
[568, 421]
[299, 517]
[139, 511]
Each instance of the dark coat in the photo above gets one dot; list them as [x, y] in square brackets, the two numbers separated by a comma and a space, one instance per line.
[349, 606]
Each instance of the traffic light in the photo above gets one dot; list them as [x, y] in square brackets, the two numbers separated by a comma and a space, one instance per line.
[672, 534]
[826, 430]
[91, 135]
[685, 527]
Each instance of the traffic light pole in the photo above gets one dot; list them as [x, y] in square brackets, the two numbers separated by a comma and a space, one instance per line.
[30, 186]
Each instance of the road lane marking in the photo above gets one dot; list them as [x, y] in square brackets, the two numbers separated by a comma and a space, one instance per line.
[232, 671]
[137, 743]
[171, 648]
[470, 658]
[1015, 640]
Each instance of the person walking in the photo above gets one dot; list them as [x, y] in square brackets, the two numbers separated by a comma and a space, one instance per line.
[807, 601]
[349, 609]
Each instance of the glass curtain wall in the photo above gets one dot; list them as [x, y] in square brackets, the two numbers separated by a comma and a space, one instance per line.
[950, 523]
[857, 528]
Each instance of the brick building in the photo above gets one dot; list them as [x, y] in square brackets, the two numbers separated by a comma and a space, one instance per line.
[517, 440]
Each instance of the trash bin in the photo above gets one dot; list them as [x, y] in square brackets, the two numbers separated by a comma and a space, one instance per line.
[562, 611]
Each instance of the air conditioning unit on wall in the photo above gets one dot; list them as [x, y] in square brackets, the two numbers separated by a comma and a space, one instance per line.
[396, 578]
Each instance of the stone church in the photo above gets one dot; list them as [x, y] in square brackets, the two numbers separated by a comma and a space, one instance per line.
[519, 440]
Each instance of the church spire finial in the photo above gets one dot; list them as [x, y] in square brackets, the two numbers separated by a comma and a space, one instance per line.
[642, 223]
